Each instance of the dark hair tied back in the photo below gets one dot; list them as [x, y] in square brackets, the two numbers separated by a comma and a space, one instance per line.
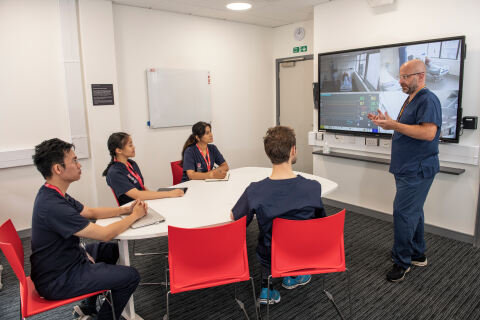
[198, 130]
[116, 140]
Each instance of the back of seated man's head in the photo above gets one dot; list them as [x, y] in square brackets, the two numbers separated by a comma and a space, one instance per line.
[278, 143]
[49, 153]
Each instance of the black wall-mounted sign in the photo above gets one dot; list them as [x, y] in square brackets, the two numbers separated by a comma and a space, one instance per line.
[102, 94]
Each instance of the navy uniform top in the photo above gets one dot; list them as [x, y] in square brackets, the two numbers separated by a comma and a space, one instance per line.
[294, 199]
[194, 160]
[413, 156]
[55, 248]
[121, 180]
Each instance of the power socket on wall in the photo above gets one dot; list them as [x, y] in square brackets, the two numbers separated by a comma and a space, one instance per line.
[385, 143]
[371, 142]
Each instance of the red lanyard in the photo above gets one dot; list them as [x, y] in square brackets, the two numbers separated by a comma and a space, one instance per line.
[48, 185]
[206, 157]
[134, 174]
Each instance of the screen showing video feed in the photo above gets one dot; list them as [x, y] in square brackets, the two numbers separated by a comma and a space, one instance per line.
[354, 83]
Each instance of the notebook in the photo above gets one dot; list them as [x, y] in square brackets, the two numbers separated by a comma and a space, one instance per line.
[152, 217]
[227, 176]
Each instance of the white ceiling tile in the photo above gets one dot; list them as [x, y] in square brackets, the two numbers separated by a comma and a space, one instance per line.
[271, 13]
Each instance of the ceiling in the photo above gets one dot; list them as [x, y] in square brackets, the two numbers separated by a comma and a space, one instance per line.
[267, 13]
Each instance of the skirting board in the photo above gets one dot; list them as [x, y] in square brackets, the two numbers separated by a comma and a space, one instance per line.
[389, 218]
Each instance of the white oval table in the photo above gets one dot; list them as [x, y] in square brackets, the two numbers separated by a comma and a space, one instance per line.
[204, 204]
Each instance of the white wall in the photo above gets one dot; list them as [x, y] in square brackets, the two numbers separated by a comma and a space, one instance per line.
[284, 41]
[350, 24]
[33, 105]
[239, 57]
[99, 67]
[32, 74]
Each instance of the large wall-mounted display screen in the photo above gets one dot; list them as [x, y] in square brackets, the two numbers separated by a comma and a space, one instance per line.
[356, 82]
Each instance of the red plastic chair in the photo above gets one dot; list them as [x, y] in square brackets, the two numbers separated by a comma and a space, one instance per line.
[30, 301]
[177, 172]
[207, 257]
[315, 246]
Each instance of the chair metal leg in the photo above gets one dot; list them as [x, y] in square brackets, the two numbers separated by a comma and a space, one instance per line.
[330, 297]
[112, 305]
[109, 299]
[1, 285]
[254, 298]
[167, 316]
[151, 283]
[239, 302]
[145, 253]
[268, 296]
[349, 293]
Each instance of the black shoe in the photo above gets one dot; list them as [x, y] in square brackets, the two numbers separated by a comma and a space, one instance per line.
[419, 262]
[397, 273]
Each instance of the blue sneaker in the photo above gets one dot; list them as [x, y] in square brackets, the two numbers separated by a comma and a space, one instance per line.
[292, 283]
[274, 296]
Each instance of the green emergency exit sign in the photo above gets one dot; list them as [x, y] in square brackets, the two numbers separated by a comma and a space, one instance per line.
[299, 49]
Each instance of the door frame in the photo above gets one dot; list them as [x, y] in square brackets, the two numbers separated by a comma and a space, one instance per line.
[277, 79]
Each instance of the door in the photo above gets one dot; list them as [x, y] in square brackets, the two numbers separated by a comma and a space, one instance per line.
[296, 107]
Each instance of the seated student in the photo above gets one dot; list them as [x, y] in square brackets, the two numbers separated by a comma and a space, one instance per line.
[124, 176]
[61, 266]
[199, 156]
[282, 195]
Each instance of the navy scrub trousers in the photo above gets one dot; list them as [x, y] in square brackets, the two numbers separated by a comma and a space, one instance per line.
[408, 216]
[103, 275]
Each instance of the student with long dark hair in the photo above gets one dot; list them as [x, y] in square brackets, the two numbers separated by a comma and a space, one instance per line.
[199, 156]
[124, 176]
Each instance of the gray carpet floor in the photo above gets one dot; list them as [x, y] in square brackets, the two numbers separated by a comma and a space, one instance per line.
[448, 288]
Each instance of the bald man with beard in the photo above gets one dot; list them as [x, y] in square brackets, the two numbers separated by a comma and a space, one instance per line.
[414, 164]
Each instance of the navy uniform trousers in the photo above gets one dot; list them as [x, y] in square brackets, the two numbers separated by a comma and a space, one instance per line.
[103, 275]
[408, 218]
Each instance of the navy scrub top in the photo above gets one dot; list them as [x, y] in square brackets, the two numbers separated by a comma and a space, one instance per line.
[294, 199]
[410, 156]
[193, 160]
[55, 248]
[121, 180]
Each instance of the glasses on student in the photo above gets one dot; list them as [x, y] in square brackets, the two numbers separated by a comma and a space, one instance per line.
[406, 76]
[74, 161]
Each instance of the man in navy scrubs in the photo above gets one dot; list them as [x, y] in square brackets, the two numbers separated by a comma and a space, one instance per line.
[414, 163]
[61, 266]
[282, 195]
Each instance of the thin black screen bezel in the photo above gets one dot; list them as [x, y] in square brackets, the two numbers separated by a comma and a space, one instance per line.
[389, 135]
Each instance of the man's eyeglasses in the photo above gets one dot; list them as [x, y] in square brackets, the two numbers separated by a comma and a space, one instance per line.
[74, 161]
[406, 76]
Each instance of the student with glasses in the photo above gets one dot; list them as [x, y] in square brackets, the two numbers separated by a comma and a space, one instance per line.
[414, 164]
[62, 267]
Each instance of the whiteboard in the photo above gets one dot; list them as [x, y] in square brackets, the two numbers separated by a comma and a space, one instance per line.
[178, 97]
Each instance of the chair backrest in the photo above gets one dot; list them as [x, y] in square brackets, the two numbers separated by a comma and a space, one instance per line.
[308, 246]
[206, 257]
[12, 248]
[177, 172]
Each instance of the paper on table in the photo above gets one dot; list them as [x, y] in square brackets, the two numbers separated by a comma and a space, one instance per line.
[227, 176]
